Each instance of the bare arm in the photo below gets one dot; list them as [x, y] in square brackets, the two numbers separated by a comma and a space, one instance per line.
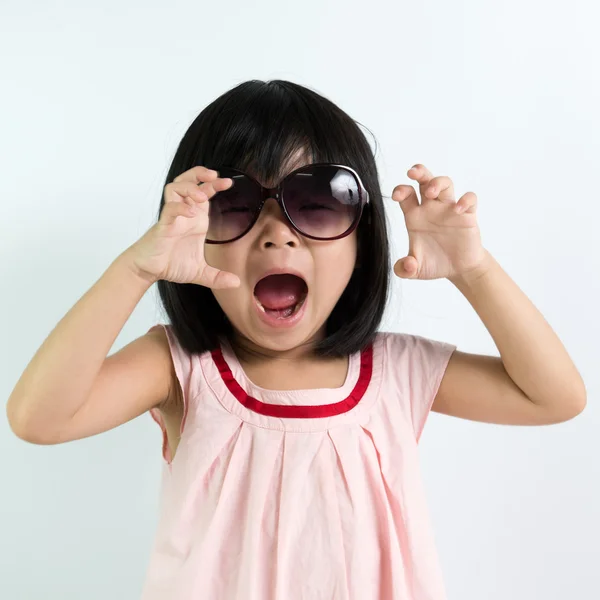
[70, 389]
[534, 382]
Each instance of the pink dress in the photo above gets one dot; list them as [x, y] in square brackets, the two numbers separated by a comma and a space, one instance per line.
[304, 494]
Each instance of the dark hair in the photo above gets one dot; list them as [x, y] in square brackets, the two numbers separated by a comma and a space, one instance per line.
[256, 126]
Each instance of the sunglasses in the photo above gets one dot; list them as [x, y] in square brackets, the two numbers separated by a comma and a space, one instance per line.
[321, 201]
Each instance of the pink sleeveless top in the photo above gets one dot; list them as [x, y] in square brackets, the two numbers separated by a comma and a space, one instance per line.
[304, 494]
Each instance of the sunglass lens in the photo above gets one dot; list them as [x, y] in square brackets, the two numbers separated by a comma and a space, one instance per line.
[232, 211]
[322, 201]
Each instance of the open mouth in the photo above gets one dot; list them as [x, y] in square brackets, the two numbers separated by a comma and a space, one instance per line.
[280, 296]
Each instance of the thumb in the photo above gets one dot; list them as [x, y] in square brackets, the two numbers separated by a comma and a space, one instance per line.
[217, 279]
[406, 267]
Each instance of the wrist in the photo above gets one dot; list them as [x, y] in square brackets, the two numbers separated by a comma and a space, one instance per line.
[471, 276]
[125, 262]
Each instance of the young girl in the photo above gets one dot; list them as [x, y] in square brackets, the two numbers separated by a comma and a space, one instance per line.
[290, 423]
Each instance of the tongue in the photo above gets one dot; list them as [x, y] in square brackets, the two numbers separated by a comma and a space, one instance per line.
[278, 292]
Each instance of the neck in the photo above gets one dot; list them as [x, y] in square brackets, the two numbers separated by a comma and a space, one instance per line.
[296, 368]
[249, 352]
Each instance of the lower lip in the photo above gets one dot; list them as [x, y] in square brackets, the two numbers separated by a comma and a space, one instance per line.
[273, 321]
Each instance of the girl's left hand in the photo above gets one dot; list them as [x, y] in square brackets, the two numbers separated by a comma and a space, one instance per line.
[443, 234]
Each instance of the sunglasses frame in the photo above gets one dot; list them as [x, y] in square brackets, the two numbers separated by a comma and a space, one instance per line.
[277, 194]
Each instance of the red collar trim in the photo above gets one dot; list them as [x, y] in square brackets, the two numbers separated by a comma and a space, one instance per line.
[299, 412]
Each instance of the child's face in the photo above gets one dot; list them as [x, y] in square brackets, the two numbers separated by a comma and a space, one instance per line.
[325, 267]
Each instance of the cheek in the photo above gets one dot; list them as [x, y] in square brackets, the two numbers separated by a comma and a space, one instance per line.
[214, 255]
[336, 268]
[227, 303]
[346, 254]
[227, 257]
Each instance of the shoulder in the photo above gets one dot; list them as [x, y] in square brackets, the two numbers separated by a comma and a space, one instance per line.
[413, 347]
[414, 367]
[414, 360]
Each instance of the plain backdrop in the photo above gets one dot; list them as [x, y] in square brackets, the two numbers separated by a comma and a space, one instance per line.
[503, 98]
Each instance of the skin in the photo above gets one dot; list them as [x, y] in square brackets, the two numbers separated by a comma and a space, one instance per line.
[534, 380]
[326, 267]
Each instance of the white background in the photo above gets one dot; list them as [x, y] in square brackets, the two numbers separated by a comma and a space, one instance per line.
[503, 98]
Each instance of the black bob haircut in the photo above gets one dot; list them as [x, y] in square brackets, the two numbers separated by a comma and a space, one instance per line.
[255, 127]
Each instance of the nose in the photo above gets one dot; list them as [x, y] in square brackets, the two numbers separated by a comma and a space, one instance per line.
[275, 229]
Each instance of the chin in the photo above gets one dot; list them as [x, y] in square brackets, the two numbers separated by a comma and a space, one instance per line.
[281, 339]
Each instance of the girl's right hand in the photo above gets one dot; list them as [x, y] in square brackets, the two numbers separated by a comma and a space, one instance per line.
[173, 249]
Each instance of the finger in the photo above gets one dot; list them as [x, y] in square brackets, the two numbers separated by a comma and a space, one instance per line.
[179, 191]
[441, 188]
[217, 279]
[172, 210]
[421, 174]
[467, 203]
[406, 267]
[207, 180]
[197, 175]
[210, 188]
[406, 196]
